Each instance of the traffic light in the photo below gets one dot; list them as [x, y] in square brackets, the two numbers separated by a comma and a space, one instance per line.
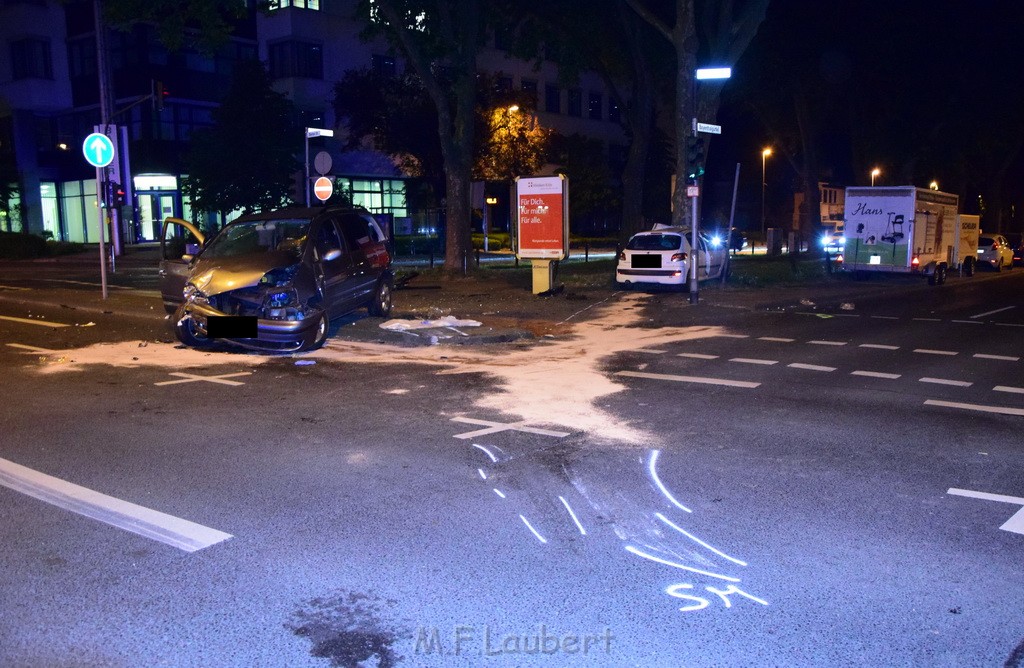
[114, 194]
[158, 95]
[695, 154]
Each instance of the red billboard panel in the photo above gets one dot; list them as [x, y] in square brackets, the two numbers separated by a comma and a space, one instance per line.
[543, 217]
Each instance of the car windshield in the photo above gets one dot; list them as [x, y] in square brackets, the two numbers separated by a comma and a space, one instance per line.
[654, 242]
[986, 241]
[259, 236]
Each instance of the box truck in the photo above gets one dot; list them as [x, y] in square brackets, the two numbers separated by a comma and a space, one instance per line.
[905, 229]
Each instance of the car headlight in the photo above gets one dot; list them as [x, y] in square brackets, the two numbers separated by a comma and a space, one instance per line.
[824, 240]
[716, 241]
[194, 295]
[280, 276]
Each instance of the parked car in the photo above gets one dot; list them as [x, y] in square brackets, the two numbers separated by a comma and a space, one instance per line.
[1016, 241]
[662, 257]
[833, 243]
[275, 280]
[995, 250]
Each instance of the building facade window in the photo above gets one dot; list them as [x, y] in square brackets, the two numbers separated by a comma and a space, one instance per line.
[575, 97]
[377, 195]
[30, 58]
[614, 115]
[301, 4]
[594, 104]
[552, 99]
[529, 88]
[384, 66]
[296, 59]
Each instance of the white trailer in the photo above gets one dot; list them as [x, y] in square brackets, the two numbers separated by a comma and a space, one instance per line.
[905, 229]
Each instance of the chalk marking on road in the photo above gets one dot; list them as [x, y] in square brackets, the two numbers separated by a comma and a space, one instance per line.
[1009, 324]
[885, 317]
[697, 540]
[499, 492]
[775, 339]
[998, 310]
[929, 351]
[652, 467]
[487, 452]
[650, 352]
[878, 346]
[495, 427]
[666, 562]
[194, 378]
[689, 379]
[1016, 522]
[733, 336]
[698, 356]
[29, 321]
[1008, 388]
[1002, 358]
[573, 515]
[11, 287]
[748, 360]
[1001, 410]
[482, 474]
[167, 529]
[875, 374]
[810, 367]
[945, 381]
[827, 343]
[32, 349]
[927, 319]
[528, 526]
[968, 322]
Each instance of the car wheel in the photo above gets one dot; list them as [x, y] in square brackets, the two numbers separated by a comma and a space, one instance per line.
[318, 335]
[185, 330]
[999, 264]
[940, 274]
[380, 306]
[968, 267]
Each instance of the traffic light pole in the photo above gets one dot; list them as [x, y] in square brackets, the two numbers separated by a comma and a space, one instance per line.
[694, 248]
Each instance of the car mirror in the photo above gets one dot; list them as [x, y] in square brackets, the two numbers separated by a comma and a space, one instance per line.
[187, 257]
[332, 255]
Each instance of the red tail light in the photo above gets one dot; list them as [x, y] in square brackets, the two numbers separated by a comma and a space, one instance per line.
[622, 256]
[839, 259]
[916, 261]
[679, 257]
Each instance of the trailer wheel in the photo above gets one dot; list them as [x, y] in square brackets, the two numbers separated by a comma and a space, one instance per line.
[938, 276]
[969, 267]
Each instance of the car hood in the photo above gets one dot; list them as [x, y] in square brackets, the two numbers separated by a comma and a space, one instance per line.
[223, 274]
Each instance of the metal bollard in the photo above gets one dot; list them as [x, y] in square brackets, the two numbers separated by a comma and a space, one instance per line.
[586, 251]
[477, 258]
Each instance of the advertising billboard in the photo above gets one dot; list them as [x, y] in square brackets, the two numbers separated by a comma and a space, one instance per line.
[542, 217]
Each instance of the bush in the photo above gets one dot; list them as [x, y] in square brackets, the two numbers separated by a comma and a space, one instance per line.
[19, 245]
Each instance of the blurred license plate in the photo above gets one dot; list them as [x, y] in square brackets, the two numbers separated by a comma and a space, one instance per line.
[231, 327]
[647, 262]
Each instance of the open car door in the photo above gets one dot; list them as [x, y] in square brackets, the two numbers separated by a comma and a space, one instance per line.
[180, 240]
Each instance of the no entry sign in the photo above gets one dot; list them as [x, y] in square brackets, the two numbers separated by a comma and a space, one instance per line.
[323, 188]
[542, 208]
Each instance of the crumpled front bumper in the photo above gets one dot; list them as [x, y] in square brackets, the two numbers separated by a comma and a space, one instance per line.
[269, 333]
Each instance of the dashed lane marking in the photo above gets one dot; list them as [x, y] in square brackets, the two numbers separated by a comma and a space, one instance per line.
[828, 343]
[878, 346]
[1009, 324]
[698, 356]
[649, 351]
[689, 379]
[1008, 388]
[811, 367]
[885, 317]
[927, 319]
[167, 529]
[29, 321]
[875, 374]
[945, 381]
[11, 287]
[733, 336]
[747, 360]
[193, 378]
[32, 349]
[1001, 410]
[928, 351]
[1003, 358]
[775, 339]
[968, 322]
[1016, 522]
[998, 310]
[495, 427]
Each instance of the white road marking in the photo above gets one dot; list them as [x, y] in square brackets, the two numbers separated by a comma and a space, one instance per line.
[689, 379]
[776, 339]
[193, 378]
[652, 468]
[573, 515]
[1009, 324]
[29, 321]
[534, 531]
[927, 319]
[885, 317]
[1001, 410]
[810, 367]
[827, 343]
[697, 540]
[1004, 358]
[495, 427]
[968, 322]
[998, 310]
[167, 529]
[1015, 523]
[33, 349]
[928, 351]
[945, 381]
[1007, 388]
[482, 474]
[747, 360]
[499, 492]
[733, 336]
[878, 346]
[666, 562]
[487, 452]
[11, 287]
[650, 352]
[698, 356]
[875, 374]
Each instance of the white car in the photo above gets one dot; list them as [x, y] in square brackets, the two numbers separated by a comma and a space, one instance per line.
[996, 250]
[662, 257]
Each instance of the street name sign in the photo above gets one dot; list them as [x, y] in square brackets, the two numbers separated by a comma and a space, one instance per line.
[709, 128]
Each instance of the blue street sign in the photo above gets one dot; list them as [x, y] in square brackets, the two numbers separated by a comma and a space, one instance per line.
[98, 150]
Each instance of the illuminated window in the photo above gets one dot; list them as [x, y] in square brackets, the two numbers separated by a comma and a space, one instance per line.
[301, 4]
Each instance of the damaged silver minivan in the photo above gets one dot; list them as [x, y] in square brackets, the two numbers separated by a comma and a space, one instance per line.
[274, 280]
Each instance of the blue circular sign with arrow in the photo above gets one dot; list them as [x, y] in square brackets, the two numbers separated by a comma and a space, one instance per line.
[98, 149]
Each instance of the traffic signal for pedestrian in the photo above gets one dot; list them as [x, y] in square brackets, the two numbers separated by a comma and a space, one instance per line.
[695, 153]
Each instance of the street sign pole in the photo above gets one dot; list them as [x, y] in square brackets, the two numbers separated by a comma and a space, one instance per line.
[100, 224]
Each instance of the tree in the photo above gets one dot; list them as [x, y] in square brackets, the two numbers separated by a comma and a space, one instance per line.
[205, 24]
[590, 192]
[247, 159]
[512, 144]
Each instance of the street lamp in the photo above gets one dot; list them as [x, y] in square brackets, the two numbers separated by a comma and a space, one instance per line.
[699, 75]
[764, 183]
[313, 132]
[934, 185]
[874, 172]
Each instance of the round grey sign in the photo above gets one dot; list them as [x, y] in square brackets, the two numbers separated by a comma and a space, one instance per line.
[322, 162]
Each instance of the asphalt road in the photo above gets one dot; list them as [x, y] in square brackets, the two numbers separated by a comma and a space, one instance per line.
[831, 483]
